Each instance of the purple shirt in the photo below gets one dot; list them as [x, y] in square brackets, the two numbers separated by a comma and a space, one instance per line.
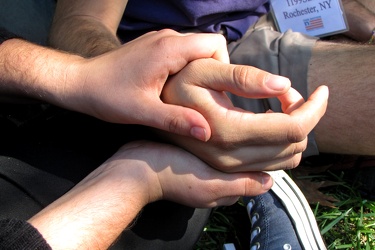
[232, 16]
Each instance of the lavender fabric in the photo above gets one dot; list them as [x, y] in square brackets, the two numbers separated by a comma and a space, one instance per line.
[233, 17]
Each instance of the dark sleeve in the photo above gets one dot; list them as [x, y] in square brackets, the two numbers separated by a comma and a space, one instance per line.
[18, 234]
[5, 35]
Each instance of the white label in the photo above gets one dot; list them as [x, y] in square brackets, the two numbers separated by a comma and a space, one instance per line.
[313, 17]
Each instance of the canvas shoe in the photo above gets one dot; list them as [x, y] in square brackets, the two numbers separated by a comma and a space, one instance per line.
[293, 227]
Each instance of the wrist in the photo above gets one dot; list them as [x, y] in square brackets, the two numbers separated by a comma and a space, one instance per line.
[133, 166]
[33, 71]
[70, 93]
[134, 177]
[113, 194]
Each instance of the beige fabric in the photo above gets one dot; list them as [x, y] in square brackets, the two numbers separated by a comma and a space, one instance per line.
[285, 54]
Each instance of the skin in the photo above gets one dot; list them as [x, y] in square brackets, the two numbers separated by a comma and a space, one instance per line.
[240, 141]
[347, 126]
[332, 134]
[110, 198]
[139, 173]
[95, 86]
[98, 21]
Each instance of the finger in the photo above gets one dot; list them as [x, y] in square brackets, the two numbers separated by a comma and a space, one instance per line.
[177, 120]
[223, 189]
[283, 128]
[183, 49]
[315, 104]
[291, 100]
[204, 45]
[309, 114]
[178, 49]
[285, 163]
[306, 116]
[237, 185]
[244, 157]
[259, 157]
[241, 80]
[260, 129]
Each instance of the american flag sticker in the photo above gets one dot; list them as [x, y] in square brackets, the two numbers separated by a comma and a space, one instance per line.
[313, 23]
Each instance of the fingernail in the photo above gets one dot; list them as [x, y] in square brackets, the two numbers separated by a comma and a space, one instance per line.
[267, 181]
[198, 133]
[276, 82]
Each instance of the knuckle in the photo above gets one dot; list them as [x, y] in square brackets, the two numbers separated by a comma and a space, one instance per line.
[172, 123]
[167, 32]
[224, 162]
[165, 40]
[294, 161]
[296, 132]
[253, 186]
[240, 76]
[162, 43]
[299, 147]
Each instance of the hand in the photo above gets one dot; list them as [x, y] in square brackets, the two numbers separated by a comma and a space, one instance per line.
[139, 173]
[179, 176]
[124, 86]
[242, 140]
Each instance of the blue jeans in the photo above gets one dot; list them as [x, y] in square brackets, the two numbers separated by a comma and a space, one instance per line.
[271, 226]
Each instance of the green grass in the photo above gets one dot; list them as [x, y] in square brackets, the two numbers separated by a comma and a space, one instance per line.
[226, 225]
[348, 225]
[351, 224]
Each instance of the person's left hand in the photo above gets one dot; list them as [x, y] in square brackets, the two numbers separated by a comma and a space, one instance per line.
[140, 172]
[242, 140]
[171, 173]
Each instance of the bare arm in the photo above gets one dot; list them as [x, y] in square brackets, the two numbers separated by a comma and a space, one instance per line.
[114, 86]
[87, 28]
[95, 212]
[31, 71]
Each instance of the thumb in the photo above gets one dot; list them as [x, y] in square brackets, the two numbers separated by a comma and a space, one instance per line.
[177, 120]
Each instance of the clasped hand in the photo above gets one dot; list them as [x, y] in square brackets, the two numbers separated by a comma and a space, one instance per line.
[242, 140]
[124, 85]
[139, 173]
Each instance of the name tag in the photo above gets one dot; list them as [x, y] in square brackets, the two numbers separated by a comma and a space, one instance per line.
[312, 17]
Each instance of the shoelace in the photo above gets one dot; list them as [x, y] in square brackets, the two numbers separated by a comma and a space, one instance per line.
[254, 217]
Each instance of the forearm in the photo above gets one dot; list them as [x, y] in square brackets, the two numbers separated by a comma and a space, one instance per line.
[35, 72]
[94, 213]
[97, 210]
[87, 29]
[89, 38]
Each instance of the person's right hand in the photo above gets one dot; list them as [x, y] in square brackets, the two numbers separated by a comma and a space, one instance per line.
[242, 140]
[124, 85]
